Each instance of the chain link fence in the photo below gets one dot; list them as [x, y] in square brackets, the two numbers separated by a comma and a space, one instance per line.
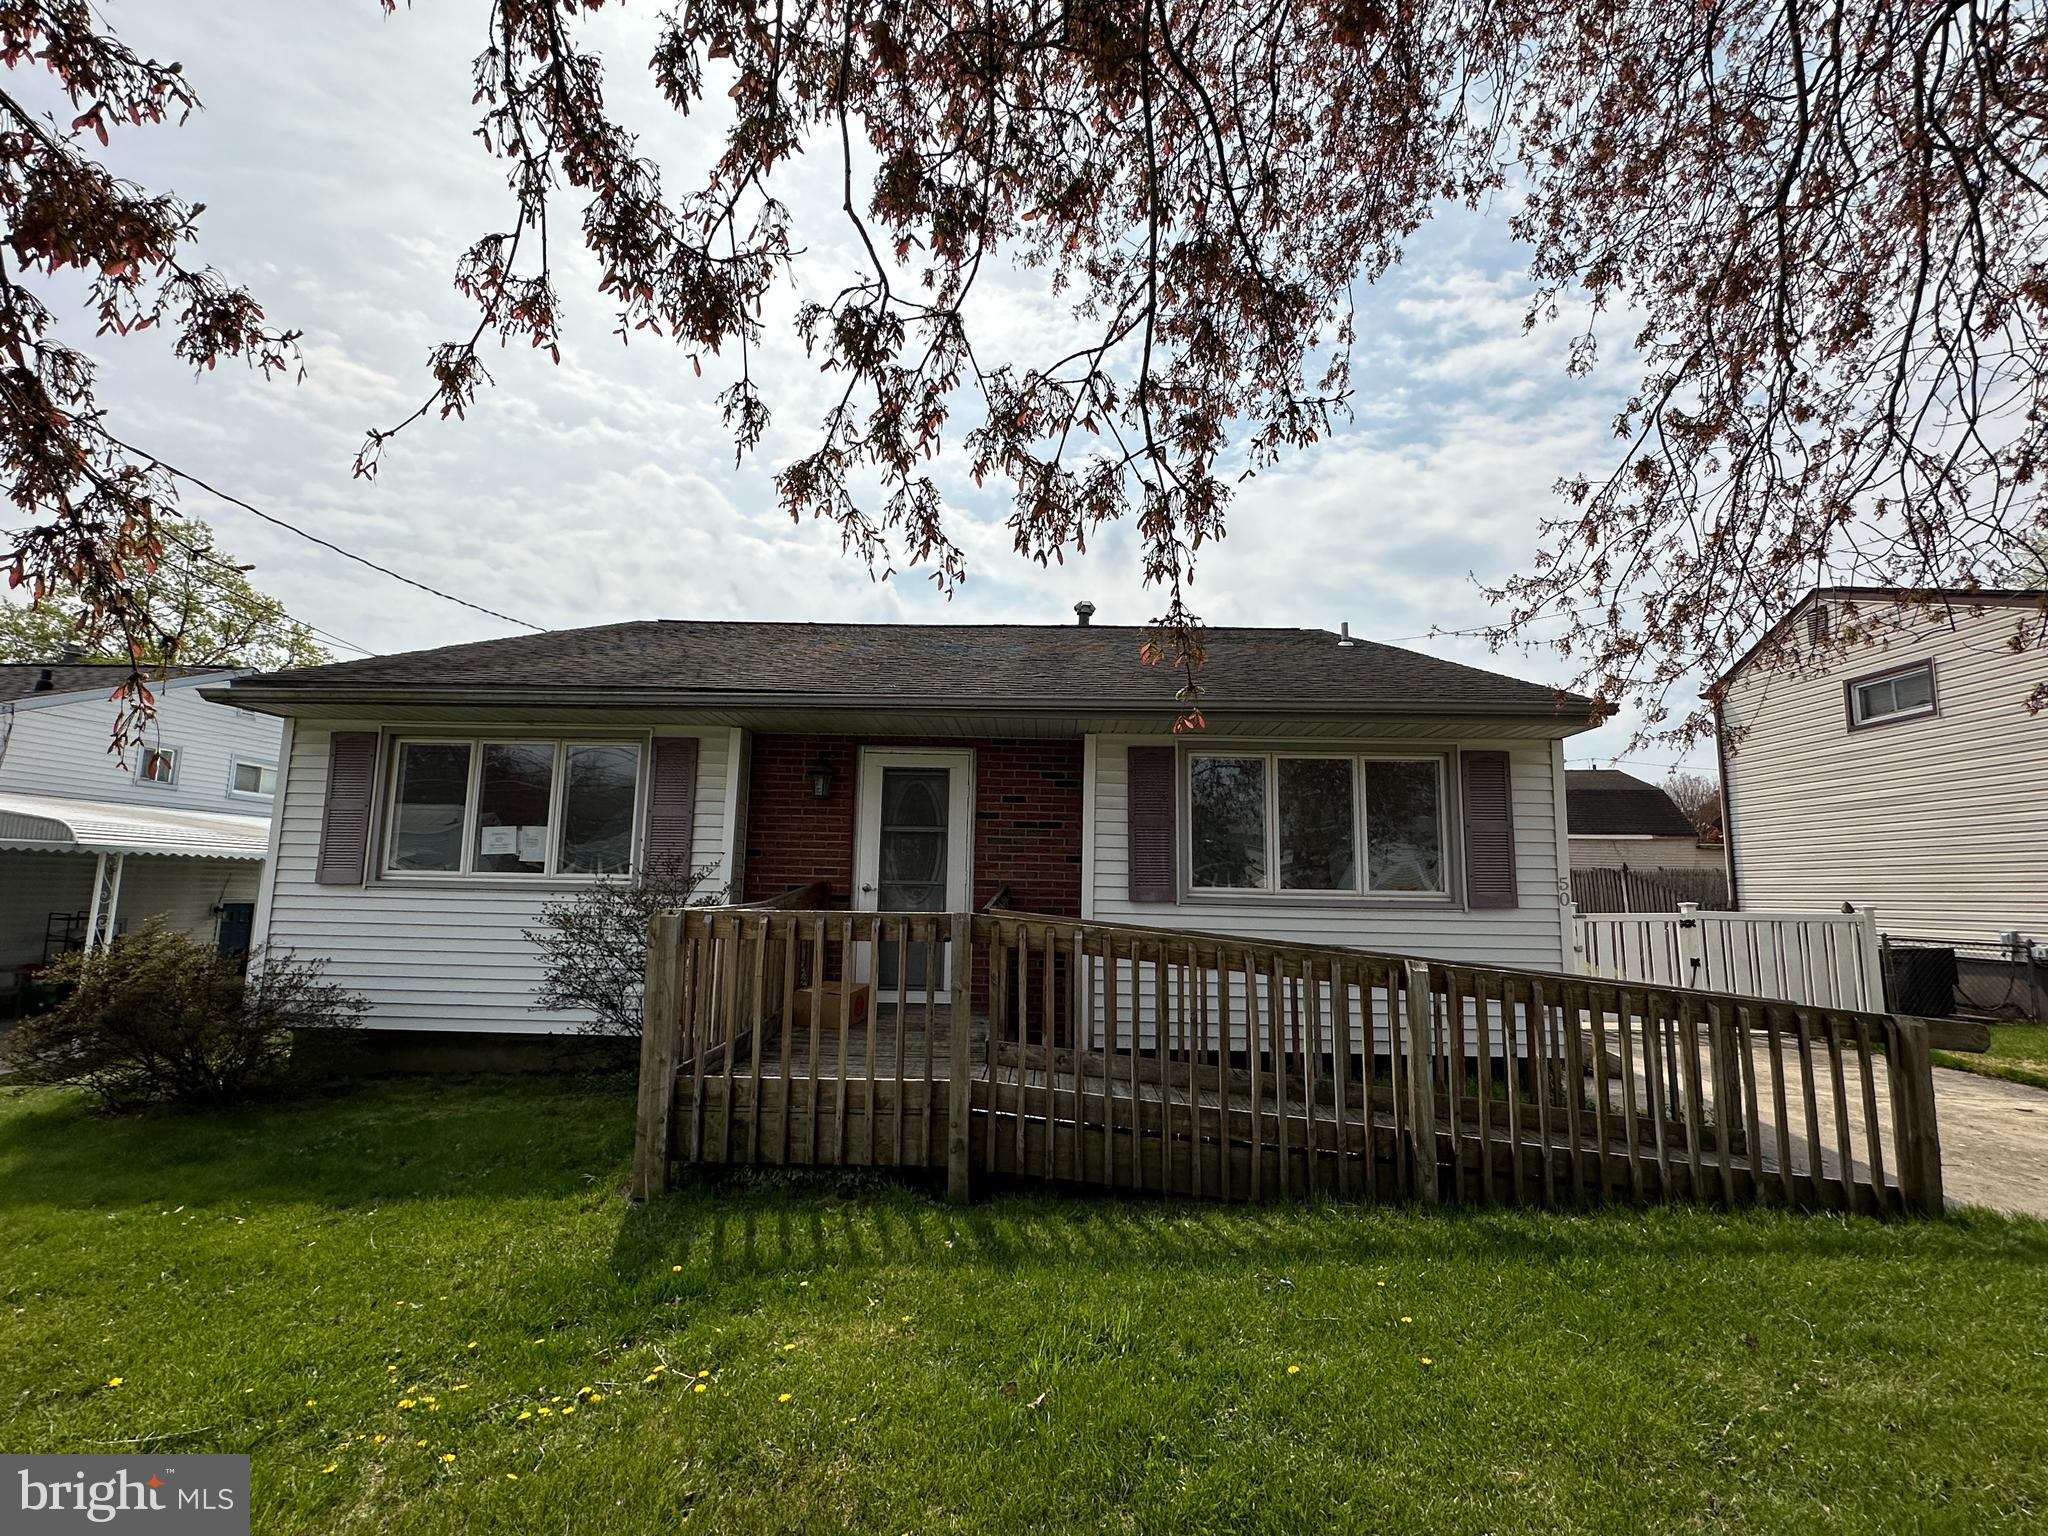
[1940, 978]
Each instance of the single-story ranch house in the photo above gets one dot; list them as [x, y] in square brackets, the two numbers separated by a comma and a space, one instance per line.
[1340, 792]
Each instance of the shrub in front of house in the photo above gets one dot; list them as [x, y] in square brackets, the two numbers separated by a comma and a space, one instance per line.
[593, 946]
[159, 1017]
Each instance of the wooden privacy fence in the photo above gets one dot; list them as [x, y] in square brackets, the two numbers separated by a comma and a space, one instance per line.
[1832, 959]
[1194, 1064]
[1653, 890]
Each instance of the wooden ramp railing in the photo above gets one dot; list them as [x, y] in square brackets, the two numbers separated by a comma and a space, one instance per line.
[1196, 1064]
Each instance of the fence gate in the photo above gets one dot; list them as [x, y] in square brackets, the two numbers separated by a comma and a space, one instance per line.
[1826, 959]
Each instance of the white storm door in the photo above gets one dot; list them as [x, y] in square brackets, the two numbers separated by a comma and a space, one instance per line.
[913, 849]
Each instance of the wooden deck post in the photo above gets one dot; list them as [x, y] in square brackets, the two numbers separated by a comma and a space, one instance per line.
[660, 1032]
[1913, 1117]
[1421, 1053]
[959, 1088]
[1731, 1112]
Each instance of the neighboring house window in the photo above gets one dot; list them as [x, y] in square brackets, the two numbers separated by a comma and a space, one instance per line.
[1894, 695]
[157, 765]
[512, 808]
[1288, 821]
[251, 780]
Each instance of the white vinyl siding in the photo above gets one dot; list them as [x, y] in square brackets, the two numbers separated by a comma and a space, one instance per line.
[61, 749]
[446, 954]
[1940, 821]
[1529, 934]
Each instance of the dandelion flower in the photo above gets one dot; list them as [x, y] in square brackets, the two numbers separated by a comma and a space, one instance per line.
[419, 1442]
[330, 1466]
[906, 1319]
[470, 1345]
[511, 1477]
[447, 1456]
[545, 1412]
[787, 1348]
[652, 1376]
[1407, 1319]
[597, 1397]
[1294, 1370]
[675, 1269]
[698, 1388]
[309, 1401]
[702, 1374]
[803, 1284]
[377, 1439]
[406, 1402]
[524, 1415]
[1427, 1361]
[783, 1399]
[115, 1381]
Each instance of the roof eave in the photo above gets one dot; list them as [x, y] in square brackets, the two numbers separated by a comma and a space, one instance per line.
[1985, 597]
[256, 694]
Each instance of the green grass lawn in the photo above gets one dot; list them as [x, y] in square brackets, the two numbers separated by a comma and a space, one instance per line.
[2019, 1054]
[424, 1308]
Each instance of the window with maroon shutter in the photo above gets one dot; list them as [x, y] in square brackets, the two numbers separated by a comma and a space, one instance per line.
[345, 821]
[1489, 829]
[672, 801]
[1149, 823]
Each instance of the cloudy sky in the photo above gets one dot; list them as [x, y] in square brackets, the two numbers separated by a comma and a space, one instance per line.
[341, 180]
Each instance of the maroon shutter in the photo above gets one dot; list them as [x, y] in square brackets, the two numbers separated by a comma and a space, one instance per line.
[671, 802]
[1149, 822]
[345, 823]
[1489, 830]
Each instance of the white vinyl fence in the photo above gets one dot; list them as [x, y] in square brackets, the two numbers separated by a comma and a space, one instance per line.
[1827, 959]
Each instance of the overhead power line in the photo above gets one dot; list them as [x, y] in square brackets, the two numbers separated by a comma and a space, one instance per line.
[228, 567]
[329, 544]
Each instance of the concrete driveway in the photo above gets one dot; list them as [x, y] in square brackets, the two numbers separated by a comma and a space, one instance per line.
[1994, 1142]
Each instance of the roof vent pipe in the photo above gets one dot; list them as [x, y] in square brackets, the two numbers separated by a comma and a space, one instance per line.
[1344, 635]
[45, 682]
[1084, 611]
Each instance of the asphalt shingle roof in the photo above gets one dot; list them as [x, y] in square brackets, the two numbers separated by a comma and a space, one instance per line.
[18, 680]
[933, 662]
[1604, 802]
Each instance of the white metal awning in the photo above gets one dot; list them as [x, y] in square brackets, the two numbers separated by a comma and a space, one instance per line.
[47, 824]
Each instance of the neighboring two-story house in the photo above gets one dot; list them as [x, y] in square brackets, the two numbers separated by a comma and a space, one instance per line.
[1894, 761]
[92, 845]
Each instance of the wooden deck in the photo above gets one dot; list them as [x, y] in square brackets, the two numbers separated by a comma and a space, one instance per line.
[1180, 1063]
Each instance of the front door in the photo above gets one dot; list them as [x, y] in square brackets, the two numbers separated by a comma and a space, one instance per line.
[913, 851]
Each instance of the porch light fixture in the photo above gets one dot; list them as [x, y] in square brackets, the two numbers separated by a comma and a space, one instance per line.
[821, 779]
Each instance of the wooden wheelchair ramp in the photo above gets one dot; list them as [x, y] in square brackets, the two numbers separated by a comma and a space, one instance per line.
[1162, 1060]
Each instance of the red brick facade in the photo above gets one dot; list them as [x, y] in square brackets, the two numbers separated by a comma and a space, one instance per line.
[1027, 818]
